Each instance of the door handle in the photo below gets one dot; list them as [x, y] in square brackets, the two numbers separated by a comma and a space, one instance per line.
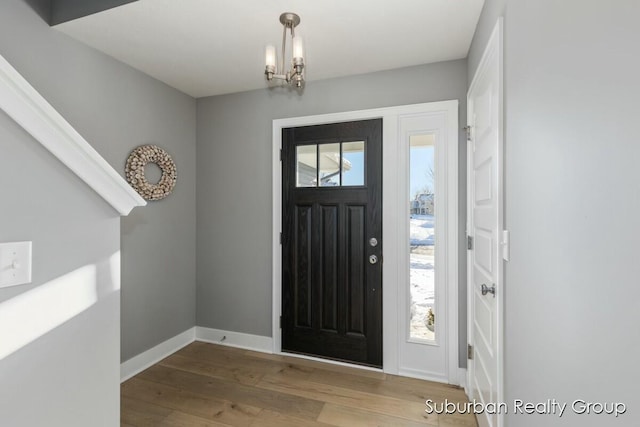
[488, 290]
[373, 259]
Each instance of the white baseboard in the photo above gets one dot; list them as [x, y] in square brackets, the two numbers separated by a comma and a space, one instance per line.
[235, 339]
[460, 380]
[422, 375]
[139, 363]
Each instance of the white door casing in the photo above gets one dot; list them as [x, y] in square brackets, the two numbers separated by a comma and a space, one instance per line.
[485, 227]
[395, 218]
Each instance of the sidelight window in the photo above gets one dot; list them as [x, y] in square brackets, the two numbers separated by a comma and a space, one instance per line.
[422, 243]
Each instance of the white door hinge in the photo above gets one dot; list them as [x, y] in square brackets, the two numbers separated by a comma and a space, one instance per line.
[505, 245]
[467, 130]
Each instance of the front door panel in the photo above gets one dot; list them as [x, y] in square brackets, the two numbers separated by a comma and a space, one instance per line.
[332, 272]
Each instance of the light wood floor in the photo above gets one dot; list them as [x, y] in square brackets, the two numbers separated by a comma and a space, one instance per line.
[211, 385]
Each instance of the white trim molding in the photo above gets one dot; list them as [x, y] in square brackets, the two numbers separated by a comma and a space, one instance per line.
[30, 110]
[234, 339]
[139, 363]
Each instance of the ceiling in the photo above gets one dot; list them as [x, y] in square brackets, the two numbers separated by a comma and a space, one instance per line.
[212, 47]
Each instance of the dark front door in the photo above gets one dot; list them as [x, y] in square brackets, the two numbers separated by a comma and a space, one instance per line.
[332, 241]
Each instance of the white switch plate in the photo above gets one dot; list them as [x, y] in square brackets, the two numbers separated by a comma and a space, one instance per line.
[15, 264]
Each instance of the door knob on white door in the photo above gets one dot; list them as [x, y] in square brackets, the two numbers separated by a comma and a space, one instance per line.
[488, 290]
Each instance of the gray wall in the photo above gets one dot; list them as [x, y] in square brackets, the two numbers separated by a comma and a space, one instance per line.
[572, 198]
[69, 375]
[234, 181]
[117, 108]
[491, 10]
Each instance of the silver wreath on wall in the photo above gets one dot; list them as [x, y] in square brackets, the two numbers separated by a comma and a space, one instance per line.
[138, 159]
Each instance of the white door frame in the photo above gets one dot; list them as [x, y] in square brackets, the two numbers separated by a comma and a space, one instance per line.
[493, 57]
[394, 213]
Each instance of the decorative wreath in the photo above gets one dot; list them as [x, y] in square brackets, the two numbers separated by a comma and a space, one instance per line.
[136, 162]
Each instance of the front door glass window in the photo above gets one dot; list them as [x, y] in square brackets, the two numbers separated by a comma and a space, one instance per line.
[331, 165]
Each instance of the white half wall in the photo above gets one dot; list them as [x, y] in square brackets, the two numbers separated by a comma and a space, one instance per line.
[59, 335]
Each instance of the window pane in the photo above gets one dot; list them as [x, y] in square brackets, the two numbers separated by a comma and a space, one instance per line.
[353, 163]
[306, 166]
[422, 237]
[329, 165]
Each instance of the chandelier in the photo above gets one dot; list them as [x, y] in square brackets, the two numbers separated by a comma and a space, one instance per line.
[293, 76]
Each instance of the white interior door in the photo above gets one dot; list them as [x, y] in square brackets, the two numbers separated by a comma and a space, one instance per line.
[485, 207]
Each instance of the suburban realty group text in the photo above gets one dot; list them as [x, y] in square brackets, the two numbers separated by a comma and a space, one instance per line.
[548, 407]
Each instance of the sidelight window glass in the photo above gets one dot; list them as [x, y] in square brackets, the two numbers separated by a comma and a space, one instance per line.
[422, 244]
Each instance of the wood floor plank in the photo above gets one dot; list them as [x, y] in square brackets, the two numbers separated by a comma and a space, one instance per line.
[140, 413]
[211, 408]
[180, 419]
[269, 418]
[239, 393]
[410, 410]
[457, 420]
[202, 349]
[206, 385]
[448, 391]
[248, 364]
[315, 364]
[342, 416]
[239, 374]
[420, 391]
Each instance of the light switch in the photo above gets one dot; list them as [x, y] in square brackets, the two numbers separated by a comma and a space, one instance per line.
[15, 264]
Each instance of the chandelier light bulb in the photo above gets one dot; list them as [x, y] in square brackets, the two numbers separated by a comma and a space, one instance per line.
[270, 56]
[297, 47]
